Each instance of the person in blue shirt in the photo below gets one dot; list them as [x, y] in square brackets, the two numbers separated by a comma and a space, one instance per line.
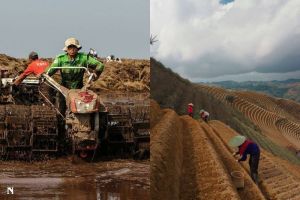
[247, 147]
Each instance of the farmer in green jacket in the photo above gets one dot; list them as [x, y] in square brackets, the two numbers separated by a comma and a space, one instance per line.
[73, 78]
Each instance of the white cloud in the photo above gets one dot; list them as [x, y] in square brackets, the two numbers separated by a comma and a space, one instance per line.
[203, 38]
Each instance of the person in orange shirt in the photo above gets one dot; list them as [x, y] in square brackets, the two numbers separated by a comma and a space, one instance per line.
[36, 66]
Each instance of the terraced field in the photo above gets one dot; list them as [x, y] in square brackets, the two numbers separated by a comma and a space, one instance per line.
[264, 101]
[278, 119]
[191, 160]
[291, 107]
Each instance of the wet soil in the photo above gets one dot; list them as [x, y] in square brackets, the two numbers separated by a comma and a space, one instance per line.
[64, 179]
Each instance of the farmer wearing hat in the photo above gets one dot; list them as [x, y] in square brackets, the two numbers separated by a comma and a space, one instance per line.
[72, 78]
[36, 66]
[191, 109]
[204, 115]
[246, 147]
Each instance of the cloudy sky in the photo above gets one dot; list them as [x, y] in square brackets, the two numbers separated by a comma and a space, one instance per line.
[209, 40]
[110, 26]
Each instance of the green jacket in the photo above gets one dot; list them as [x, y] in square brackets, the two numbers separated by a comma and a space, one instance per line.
[73, 78]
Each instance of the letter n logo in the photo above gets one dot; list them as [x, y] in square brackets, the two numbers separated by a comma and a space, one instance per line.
[10, 190]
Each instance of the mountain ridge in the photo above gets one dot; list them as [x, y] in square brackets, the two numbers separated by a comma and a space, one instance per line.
[287, 89]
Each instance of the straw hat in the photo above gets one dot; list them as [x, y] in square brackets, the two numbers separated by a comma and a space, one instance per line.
[190, 104]
[237, 141]
[71, 41]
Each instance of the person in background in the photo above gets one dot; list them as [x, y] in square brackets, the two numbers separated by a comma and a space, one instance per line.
[247, 147]
[204, 115]
[191, 109]
[36, 66]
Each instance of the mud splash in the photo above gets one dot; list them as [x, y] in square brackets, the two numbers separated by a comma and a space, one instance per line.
[61, 179]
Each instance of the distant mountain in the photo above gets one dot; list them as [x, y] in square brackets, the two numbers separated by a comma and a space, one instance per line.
[288, 89]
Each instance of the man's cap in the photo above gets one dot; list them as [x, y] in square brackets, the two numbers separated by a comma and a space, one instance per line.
[71, 41]
[190, 104]
[237, 141]
[33, 55]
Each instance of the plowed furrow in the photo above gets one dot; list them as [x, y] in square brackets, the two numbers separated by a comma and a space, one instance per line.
[251, 191]
[275, 181]
[278, 182]
[188, 183]
[166, 157]
[212, 181]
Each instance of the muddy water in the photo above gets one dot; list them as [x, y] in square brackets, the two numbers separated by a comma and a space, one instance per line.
[63, 179]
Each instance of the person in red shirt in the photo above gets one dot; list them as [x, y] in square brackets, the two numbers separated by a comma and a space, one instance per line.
[247, 147]
[191, 109]
[36, 66]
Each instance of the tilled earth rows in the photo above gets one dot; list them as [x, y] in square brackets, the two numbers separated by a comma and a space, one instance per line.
[191, 160]
[251, 191]
[202, 169]
[184, 163]
[276, 181]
